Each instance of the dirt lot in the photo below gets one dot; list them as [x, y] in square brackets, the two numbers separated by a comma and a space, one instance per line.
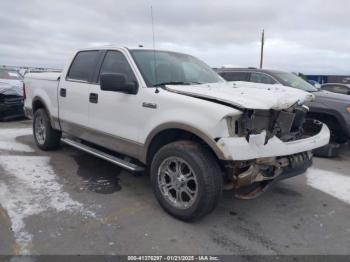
[68, 202]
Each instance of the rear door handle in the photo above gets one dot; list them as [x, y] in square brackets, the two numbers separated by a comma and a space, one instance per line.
[63, 92]
[93, 98]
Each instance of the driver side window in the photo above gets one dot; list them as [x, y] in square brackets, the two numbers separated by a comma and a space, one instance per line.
[116, 63]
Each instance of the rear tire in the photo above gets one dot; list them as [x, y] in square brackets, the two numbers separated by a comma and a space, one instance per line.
[46, 138]
[186, 179]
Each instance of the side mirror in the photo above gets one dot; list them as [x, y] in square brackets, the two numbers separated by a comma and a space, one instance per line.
[117, 83]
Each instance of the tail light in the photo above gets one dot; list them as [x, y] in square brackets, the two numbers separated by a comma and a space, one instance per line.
[24, 91]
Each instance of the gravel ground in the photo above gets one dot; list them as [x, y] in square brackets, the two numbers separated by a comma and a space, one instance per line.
[68, 202]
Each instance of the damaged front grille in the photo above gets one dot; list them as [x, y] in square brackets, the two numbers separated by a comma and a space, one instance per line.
[286, 124]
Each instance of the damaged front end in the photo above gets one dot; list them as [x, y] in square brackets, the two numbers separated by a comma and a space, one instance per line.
[285, 124]
[252, 177]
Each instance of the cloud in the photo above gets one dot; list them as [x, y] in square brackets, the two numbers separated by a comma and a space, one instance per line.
[310, 36]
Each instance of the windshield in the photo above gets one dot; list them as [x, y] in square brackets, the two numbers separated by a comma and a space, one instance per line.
[7, 74]
[161, 67]
[292, 80]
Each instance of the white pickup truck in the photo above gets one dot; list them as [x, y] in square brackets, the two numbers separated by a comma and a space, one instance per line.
[170, 114]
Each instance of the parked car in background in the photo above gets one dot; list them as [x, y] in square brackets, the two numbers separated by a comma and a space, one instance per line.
[337, 88]
[314, 83]
[172, 114]
[11, 95]
[330, 108]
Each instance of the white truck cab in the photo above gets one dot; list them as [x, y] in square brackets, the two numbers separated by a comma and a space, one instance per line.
[172, 113]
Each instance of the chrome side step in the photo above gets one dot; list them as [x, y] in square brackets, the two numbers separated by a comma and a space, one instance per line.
[113, 159]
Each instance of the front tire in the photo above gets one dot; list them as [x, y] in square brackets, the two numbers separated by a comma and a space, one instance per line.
[186, 179]
[46, 138]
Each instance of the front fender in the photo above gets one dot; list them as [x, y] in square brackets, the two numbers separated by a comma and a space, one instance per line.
[185, 127]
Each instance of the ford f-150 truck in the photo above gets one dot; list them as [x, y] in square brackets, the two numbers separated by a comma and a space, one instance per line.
[170, 114]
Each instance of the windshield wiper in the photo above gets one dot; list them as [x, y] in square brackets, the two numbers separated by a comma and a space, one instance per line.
[177, 83]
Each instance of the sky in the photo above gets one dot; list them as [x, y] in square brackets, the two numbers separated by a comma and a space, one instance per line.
[310, 36]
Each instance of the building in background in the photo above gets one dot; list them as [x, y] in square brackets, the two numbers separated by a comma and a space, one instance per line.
[322, 79]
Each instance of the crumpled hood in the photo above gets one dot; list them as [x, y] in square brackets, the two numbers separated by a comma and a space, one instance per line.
[246, 95]
[10, 89]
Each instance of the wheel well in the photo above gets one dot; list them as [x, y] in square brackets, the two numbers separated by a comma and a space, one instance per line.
[38, 104]
[337, 133]
[172, 135]
[326, 118]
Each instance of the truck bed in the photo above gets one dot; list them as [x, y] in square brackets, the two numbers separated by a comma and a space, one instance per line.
[52, 76]
[43, 86]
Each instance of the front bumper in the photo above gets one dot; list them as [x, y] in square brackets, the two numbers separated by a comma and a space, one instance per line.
[263, 172]
[239, 149]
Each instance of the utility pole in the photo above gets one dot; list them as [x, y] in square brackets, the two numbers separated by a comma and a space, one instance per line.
[262, 49]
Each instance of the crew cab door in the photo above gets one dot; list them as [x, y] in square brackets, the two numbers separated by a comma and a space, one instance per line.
[73, 92]
[114, 116]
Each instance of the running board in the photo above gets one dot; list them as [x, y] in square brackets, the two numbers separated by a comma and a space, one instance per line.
[113, 159]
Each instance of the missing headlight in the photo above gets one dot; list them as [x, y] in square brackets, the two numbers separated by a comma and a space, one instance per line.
[286, 124]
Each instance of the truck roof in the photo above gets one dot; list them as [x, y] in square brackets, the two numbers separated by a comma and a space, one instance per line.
[106, 47]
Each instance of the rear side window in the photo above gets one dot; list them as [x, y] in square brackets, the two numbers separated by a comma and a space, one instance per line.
[83, 66]
[261, 78]
[328, 88]
[337, 89]
[236, 76]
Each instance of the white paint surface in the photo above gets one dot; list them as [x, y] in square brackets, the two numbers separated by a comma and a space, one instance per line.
[28, 187]
[8, 139]
[247, 94]
[332, 183]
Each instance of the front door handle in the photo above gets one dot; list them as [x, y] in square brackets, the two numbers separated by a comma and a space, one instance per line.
[93, 98]
[63, 92]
